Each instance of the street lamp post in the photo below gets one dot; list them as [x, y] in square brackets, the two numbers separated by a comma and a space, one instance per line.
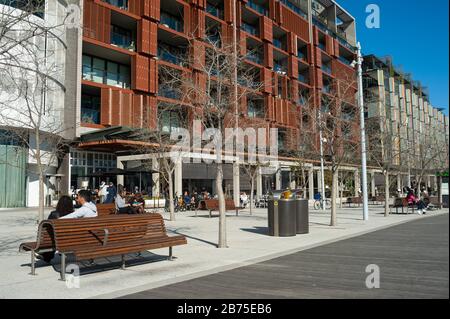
[363, 135]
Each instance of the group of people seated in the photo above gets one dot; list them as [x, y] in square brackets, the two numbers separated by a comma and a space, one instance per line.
[420, 202]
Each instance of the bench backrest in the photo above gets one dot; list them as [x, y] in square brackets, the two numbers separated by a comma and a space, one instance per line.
[229, 204]
[213, 204]
[45, 238]
[106, 209]
[91, 231]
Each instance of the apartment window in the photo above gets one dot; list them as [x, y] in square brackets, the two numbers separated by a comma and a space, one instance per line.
[122, 38]
[90, 109]
[105, 72]
[35, 7]
[255, 108]
[169, 121]
[172, 22]
[122, 4]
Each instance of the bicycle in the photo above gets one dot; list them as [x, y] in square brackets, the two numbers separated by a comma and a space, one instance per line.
[318, 203]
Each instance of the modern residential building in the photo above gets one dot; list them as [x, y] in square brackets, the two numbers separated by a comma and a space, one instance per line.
[400, 113]
[297, 47]
[35, 92]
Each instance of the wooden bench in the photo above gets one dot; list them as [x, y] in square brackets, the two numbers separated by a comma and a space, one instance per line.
[106, 209]
[402, 203]
[433, 202]
[354, 200]
[377, 199]
[213, 205]
[89, 238]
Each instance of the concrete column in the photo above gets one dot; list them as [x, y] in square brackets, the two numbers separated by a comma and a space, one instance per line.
[435, 183]
[178, 189]
[357, 183]
[292, 184]
[399, 182]
[278, 180]
[120, 177]
[319, 181]
[372, 184]
[236, 184]
[259, 183]
[311, 183]
[156, 191]
[428, 181]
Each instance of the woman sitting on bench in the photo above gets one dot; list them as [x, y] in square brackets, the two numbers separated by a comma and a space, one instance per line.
[122, 206]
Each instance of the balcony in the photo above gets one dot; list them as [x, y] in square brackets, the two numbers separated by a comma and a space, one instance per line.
[171, 22]
[167, 91]
[89, 115]
[277, 67]
[254, 57]
[301, 55]
[322, 46]
[255, 110]
[326, 68]
[121, 4]
[214, 11]
[170, 56]
[122, 41]
[326, 88]
[294, 8]
[303, 78]
[302, 100]
[278, 44]
[258, 8]
[344, 60]
[250, 29]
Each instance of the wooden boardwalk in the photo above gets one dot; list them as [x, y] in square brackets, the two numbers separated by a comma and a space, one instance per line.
[413, 259]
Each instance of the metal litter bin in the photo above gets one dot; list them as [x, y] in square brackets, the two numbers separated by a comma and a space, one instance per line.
[302, 212]
[282, 215]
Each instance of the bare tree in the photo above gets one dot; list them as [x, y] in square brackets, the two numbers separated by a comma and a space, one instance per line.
[386, 149]
[212, 91]
[31, 81]
[337, 120]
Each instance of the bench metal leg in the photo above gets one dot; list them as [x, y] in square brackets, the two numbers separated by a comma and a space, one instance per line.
[63, 267]
[123, 262]
[33, 264]
[209, 214]
[170, 254]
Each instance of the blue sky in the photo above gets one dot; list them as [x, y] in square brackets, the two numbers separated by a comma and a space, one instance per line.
[415, 34]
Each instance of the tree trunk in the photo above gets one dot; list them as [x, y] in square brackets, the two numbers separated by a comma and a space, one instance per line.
[171, 197]
[252, 183]
[341, 194]
[386, 194]
[222, 212]
[41, 195]
[334, 186]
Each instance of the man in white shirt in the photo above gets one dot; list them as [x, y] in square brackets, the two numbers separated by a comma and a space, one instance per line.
[103, 192]
[87, 209]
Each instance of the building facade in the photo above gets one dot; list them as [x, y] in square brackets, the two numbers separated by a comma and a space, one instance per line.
[297, 47]
[33, 97]
[400, 113]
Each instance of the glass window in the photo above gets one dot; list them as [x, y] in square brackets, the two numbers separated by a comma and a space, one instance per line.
[112, 77]
[98, 70]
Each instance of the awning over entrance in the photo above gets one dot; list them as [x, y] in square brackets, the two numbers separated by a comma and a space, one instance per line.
[113, 139]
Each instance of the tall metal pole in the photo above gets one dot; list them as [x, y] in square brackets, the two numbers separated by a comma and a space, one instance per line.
[363, 136]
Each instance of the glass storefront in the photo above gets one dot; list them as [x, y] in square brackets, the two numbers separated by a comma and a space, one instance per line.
[13, 165]
[85, 163]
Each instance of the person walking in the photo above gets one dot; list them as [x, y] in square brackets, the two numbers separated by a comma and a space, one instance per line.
[112, 192]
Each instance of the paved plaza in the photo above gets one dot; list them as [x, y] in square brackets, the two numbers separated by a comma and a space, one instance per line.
[247, 239]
